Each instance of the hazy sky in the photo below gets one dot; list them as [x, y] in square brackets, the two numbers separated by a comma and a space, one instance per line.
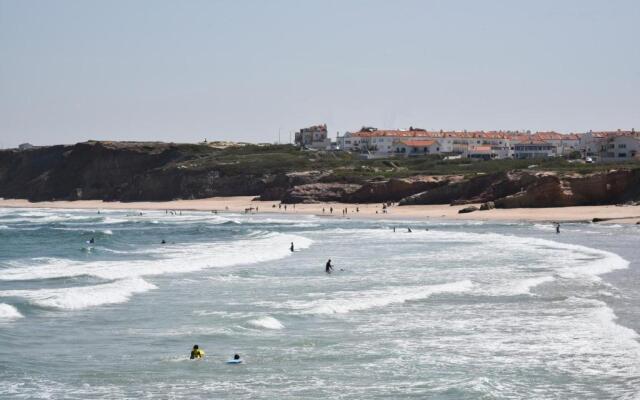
[242, 70]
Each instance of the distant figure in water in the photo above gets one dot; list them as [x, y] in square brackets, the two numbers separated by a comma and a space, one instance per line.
[196, 352]
[163, 242]
[557, 227]
[409, 230]
[328, 268]
[394, 228]
[291, 248]
[236, 359]
[92, 241]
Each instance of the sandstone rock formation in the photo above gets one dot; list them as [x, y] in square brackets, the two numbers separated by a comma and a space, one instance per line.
[319, 192]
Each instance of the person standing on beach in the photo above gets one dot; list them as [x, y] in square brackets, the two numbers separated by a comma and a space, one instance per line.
[291, 248]
[328, 267]
[557, 227]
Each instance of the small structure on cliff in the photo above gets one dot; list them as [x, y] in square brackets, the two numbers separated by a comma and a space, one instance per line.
[313, 137]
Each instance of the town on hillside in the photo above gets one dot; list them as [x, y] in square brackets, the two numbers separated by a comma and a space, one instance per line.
[369, 142]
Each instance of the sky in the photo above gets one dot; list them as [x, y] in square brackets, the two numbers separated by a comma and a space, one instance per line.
[238, 70]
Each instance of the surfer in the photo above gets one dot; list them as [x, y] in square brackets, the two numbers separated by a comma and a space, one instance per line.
[163, 242]
[92, 241]
[291, 248]
[196, 352]
[328, 267]
[236, 359]
[409, 230]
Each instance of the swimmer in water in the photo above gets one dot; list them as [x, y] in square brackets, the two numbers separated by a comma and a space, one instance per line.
[196, 352]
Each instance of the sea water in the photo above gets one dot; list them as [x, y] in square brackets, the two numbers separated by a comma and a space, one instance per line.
[451, 310]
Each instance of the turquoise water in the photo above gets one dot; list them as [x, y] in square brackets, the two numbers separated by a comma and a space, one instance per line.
[463, 310]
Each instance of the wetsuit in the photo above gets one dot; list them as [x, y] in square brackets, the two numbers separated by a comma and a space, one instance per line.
[328, 267]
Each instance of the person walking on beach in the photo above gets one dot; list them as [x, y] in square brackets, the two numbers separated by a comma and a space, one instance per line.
[331, 210]
[557, 227]
[328, 267]
[291, 248]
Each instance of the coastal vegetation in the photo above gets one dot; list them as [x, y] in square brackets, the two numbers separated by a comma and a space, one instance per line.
[155, 171]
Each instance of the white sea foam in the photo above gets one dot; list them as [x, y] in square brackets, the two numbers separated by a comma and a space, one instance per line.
[357, 301]
[569, 259]
[4, 227]
[107, 232]
[8, 312]
[266, 323]
[259, 247]
[520, 287]
[79, 297]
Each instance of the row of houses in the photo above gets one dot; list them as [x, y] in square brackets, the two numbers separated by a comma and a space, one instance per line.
[374, 143]
[476, 144]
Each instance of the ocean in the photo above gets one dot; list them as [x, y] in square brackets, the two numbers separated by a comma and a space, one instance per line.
[451, 310]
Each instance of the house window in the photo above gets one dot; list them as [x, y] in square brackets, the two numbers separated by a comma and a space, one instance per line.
[622, 155]
[622, 146]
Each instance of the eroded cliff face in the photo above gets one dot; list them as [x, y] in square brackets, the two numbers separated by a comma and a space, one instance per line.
[396, 189]
[115, 171]
[612, 187]
[543, 189]
[128, 171]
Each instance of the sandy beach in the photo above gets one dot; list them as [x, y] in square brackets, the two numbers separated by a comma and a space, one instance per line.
[612, 214]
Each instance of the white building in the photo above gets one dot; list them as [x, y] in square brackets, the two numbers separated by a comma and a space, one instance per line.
[534, 149]
[620, 148]
[415, 148]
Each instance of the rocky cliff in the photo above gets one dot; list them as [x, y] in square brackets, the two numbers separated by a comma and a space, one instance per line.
[117, 171]
[542, 189]
[133, 171]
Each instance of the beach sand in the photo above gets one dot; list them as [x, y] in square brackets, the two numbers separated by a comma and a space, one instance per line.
[613, 214]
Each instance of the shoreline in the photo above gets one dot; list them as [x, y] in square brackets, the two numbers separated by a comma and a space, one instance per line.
[238, 204]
